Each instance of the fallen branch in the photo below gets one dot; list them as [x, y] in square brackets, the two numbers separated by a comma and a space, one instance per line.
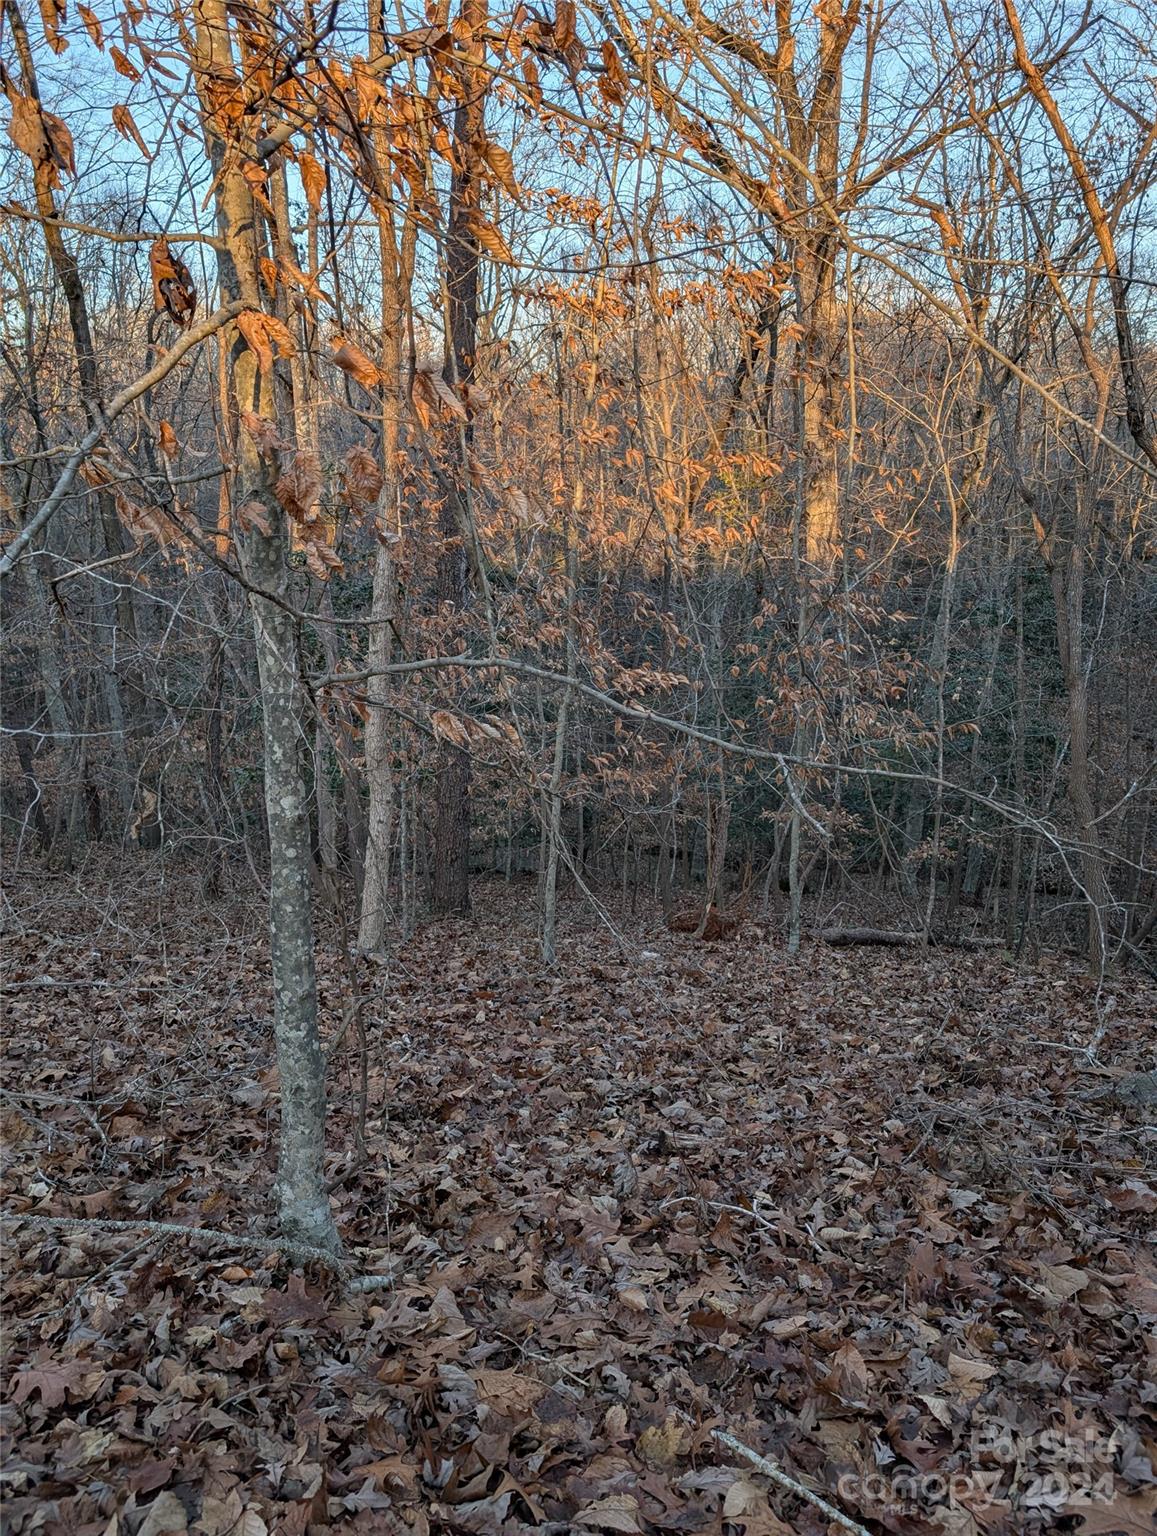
[843, 936]
[867, 936]
[52, 982]
[168, 1229]
[782, 1480]
[214, 1237]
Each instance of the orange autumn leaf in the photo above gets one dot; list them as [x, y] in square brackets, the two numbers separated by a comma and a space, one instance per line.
[53, 13]
[312, 179]
[92, 24]
[123, 122]
[492, 241]
[352, 360]
[124, 65]
[43, 137]
[262, 334]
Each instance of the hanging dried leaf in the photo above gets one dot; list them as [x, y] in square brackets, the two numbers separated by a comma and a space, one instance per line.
[173, 289]
[168, 440]
[437, 392]
[124, 65]
[142, 522]
[615, 85]
[420, 39]
[530, 75]
[363, 478]
[500, 161]
[253, 514]
[312, 179]
[263, 332]
[264, 434]
[92, 24]
[304, 280]
[321, 561]
[448, 727]
[564, 25]
[122, 121]
[53, 14]
[299, 488]
[491, 240]
[42, 136]
[353, 360]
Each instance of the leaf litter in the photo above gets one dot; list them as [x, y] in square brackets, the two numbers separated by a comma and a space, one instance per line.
[876, 1213]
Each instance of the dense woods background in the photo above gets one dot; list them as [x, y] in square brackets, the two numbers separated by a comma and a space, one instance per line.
[780, 374]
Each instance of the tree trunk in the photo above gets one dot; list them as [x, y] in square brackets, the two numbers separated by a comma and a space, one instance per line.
[303, 1202]
[451, 892]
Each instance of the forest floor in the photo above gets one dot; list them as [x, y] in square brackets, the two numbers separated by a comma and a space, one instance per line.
[875, 1212]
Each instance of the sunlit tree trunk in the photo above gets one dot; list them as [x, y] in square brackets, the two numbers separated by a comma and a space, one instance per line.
[301, 1190]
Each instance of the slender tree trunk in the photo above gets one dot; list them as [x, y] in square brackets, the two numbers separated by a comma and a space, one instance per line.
[452, 835]
[303, 1201]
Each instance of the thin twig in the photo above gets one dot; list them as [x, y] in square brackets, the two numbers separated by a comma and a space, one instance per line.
[782, 1480]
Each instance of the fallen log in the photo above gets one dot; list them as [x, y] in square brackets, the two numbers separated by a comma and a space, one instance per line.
[867, 936]
[847, 936]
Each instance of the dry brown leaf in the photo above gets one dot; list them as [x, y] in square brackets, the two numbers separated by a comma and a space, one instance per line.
[363, 477]
[1125, 1515]
[263, 332]
[500, 161]
[491, 240]
[299, 487]
[352, 360]
[92, 24]
[168, 440]
[53, 14]
[125, 125]
[312, 179]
